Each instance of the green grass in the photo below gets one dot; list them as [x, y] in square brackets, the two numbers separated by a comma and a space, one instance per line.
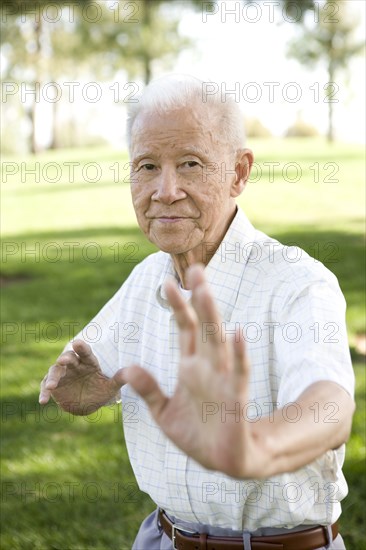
[66, 481]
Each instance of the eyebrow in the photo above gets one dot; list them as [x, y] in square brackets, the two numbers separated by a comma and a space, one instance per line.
[191, 149]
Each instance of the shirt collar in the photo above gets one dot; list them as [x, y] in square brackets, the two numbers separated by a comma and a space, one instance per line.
[225, 269]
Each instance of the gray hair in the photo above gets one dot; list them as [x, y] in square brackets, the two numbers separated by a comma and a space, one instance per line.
[177, 91]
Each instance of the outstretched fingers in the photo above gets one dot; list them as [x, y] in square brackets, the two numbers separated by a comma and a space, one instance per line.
[209, 342]
[241, 361]
[204, 304]
[185, 317]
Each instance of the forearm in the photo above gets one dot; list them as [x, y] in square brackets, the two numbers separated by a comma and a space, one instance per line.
[298, 434]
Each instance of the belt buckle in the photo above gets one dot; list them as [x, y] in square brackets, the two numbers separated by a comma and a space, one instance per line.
[176, 527]
[173, 535]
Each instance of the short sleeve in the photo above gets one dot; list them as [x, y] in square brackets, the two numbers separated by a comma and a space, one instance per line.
[311, 342]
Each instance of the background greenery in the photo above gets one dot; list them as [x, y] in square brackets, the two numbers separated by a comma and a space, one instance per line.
[66, 481]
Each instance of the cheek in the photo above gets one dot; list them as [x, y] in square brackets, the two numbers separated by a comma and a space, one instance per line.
[140, 205]
[214, 193]
[139, 195]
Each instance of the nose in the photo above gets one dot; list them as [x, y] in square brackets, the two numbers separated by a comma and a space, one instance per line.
[167, 189]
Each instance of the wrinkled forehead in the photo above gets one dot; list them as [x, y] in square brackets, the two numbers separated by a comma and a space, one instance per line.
[174, 128]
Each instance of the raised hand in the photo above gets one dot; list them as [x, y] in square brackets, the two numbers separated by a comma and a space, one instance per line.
[77, 383]
[212, 378]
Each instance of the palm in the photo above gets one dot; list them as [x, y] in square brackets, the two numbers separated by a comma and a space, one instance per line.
[85, 390]
[209, 429]
[212, 381]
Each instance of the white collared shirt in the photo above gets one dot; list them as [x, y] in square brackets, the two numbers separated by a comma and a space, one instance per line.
[291, 312]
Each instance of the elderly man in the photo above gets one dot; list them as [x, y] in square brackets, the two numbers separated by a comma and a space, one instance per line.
[242, 408]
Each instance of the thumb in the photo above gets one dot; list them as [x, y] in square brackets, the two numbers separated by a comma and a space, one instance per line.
[147, 387]
[119, 379]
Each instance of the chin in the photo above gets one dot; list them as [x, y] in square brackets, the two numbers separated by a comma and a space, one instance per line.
[170, 246]
[175, 242]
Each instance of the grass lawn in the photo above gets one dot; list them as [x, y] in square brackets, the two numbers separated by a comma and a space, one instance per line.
[69, 241]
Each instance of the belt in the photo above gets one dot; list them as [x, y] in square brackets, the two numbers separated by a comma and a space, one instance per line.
[308, 539]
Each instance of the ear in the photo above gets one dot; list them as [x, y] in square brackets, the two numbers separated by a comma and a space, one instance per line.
[244, 161]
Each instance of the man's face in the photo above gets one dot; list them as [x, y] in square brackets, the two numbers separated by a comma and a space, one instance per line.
[182, 180]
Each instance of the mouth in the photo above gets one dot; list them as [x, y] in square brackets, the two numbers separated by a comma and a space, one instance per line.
[169, 219]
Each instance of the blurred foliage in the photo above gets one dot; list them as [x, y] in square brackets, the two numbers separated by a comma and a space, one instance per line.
[44, 42]
[330, 40]
[254, 128]
[300, 128]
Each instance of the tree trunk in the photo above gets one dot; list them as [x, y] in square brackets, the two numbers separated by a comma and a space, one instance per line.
[147, 69]
[146, 23]
[31, 113]
[330, 134]
[55, 143]
[37, 27]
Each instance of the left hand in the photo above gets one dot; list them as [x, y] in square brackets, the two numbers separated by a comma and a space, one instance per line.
[212, 382]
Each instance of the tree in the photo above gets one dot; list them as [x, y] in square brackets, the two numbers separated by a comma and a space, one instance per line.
[329, 41]
[155, 37]
[40, 47]
[297, 9]
[26, 44]
[22, 46]
[134, 41]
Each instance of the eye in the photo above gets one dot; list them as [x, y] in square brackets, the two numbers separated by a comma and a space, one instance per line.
[148, 166]
[191, 164]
